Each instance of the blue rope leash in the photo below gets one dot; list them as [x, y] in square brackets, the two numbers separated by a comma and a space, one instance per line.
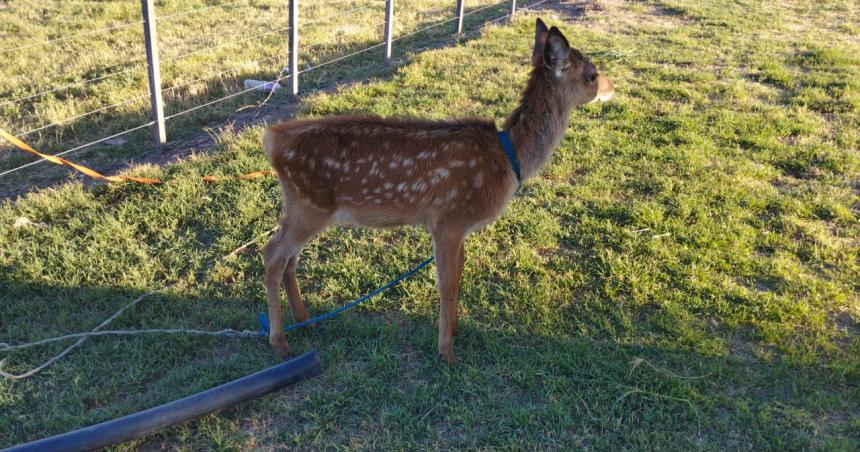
[264, 319]
[505, 139]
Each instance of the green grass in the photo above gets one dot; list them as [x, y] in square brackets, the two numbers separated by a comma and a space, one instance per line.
[683, 275]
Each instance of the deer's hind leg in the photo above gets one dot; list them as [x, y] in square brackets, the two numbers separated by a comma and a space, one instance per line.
[297, 227]
[291, 286]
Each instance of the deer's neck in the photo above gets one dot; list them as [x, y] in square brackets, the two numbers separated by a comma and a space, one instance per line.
[537, 126]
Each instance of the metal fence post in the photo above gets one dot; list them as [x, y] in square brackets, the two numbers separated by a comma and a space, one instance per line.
[150, 36]
[294, 47]
[460, 16]
[389, 28]
[512, 9]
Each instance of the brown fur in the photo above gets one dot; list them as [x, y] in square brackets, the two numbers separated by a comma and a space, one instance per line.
[450, 176]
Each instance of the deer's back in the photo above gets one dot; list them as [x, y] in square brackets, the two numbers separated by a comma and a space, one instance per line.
[378, 172]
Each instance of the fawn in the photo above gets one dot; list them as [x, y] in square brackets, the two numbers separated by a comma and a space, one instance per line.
[452, 177]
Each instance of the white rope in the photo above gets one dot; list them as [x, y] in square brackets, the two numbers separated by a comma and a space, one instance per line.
[97, 331]
[227, 332]
[73, 346]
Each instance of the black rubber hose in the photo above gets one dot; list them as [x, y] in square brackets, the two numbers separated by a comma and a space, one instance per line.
[150, 421]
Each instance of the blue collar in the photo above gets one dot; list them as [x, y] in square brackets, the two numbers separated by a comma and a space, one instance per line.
[509, 151]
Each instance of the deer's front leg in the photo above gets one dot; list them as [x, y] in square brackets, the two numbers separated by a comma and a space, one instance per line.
[274, 261]
[449, 267]
[297, 227]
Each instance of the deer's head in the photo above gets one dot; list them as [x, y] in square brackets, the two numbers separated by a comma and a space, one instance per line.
[576, 77]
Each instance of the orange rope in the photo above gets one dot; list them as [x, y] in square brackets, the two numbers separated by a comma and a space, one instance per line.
[95, 174]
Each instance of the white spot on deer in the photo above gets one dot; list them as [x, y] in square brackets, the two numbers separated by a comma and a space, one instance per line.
[408, 162]
[345, 166]
[377, 190]
[438, 175]
[289, 154]
[331, 163]
[377, 201]
[472, 163]
[401, 186]
[455, 163]
[312, 164]
[424, 155]
[364, 191]
[392, 164]
[354, 143]
[479, 179]
[419, 186]
[451, 195]
[388, 185]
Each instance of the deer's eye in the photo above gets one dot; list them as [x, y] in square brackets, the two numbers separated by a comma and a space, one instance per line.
[592, 78]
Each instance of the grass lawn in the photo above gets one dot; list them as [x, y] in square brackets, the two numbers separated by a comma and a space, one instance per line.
[684, 275]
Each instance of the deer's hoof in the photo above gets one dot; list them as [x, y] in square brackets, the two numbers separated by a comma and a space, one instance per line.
[450, 358]
[281, 347]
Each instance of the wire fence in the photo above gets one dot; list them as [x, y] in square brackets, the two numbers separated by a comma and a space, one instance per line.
[283, 62]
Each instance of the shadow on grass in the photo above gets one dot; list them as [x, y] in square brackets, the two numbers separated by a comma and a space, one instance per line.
[383, 385]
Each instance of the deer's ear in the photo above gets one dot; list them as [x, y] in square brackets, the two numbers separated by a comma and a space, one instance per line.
[541, 32]
[556, 51]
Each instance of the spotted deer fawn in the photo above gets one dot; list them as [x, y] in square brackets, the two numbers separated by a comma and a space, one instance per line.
[452, 177]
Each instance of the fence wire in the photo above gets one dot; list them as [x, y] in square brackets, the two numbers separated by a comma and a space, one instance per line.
[279, 78]
[70, 37]
[78, 148]
[142, 64]
[128, 24]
